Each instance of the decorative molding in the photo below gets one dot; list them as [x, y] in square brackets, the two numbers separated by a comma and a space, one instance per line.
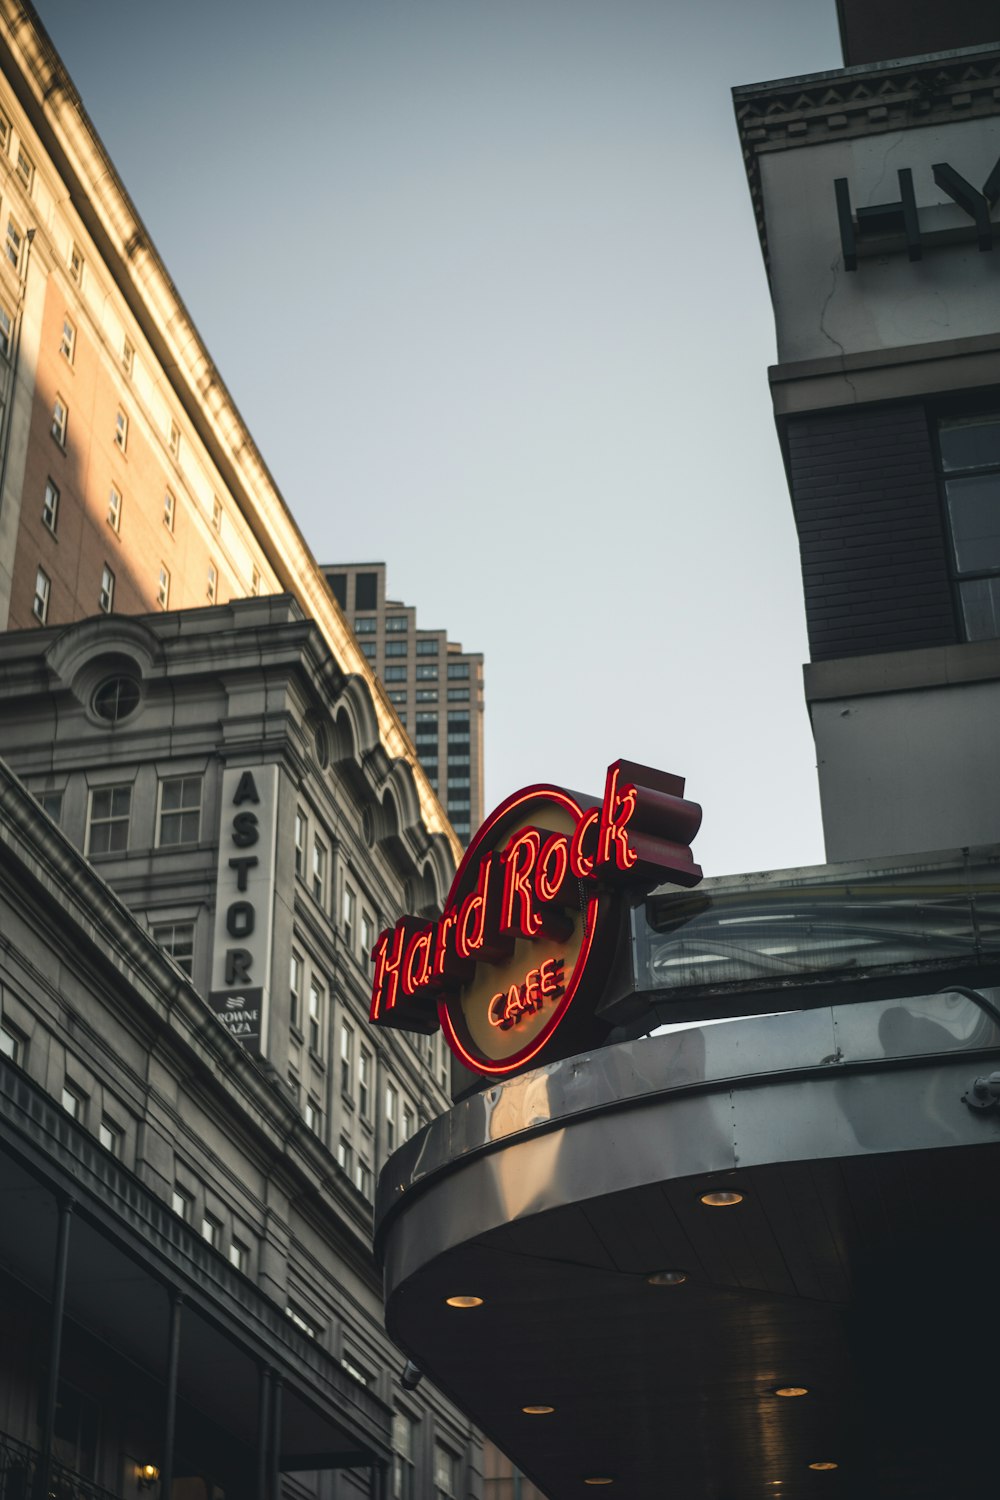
[871, 100]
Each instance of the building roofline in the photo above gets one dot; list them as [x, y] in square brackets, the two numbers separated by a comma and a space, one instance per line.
[49, 97]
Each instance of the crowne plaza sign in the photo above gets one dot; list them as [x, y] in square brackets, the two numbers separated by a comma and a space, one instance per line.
[525, 942]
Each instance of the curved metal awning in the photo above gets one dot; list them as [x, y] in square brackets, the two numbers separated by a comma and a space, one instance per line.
[857, 1264]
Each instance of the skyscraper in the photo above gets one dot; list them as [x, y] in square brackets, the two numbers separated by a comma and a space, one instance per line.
[435, 686]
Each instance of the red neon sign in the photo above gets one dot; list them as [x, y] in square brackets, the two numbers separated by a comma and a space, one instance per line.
[529, 902]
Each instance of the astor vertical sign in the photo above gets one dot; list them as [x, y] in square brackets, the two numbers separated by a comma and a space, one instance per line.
[244, 903]
[524, 945]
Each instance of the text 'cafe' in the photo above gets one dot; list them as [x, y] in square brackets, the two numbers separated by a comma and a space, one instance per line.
[650, 1258]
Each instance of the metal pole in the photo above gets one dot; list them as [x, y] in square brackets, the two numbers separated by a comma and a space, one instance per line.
[44, 1475]
[276, 1439]
[263, 1418]
[170, 1416]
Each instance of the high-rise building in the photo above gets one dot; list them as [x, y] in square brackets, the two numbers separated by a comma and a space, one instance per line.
[435, 687]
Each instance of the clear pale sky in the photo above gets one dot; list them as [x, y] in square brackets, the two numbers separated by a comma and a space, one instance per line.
[483, 279]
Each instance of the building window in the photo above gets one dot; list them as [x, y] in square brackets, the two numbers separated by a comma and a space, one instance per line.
[346, 1060]
[163, 587]
[169, 510]
[107, 824]
[60, 419]
[427, 646]
[6, 327]
[50, 507]
[427, 673]
[212, 584]
[445, 1473]
[345, 1156]
[174, 441]
[4, 131]
[25, 168]
[970, 462]
[301, 1319]
[363, 1179]
[111, 1136]
[458, 695]
[128, 357]
[404, 1469]
[409, 1121]
[301, 834]
[177, 941]
[115, 698]
[391, 1115]
[51, 805]
[313, 1115]
[74, 1102]
[396, 624]
[395, 674]
[316, 998]
[366, 591]
[216, 513]
[396, 648]
[349, 908]
[40, 603]
[294, 988]
[398, 697]
[239, 1255]
[366, 626]
[76, 263]
[427, 695]
[365, 1084]
[115, 508]
[180, 811]
[121, 430]
[369, 649]
[319, 871]
[367, 935]
[458, 669]
[15, 242]
[106, 597]
[182, 1203]
[211, 1230]
[11, 1044]
[67, 344]
[255, 582]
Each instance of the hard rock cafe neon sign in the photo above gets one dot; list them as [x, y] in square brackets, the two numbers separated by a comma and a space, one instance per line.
[522, 950]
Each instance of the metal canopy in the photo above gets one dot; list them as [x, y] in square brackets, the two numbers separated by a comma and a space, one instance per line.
[857, 1264]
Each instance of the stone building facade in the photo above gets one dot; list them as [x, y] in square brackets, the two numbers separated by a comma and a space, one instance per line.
[219, 774]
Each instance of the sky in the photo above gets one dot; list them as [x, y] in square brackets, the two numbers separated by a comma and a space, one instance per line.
[483, 279]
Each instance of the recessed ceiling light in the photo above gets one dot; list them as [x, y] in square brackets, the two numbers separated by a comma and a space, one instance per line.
[598, 1480]
[667, 1278]
[792, 1390]
[825, 1463]
[721, 1199]
[537, 1411]
[464, 1301]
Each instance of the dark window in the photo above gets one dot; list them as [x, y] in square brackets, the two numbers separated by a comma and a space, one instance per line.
[338, 586]
[366, 591]
[395, 648]
[116, 698]
[970, 462]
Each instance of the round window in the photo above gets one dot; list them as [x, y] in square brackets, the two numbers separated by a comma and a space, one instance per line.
[116, 698]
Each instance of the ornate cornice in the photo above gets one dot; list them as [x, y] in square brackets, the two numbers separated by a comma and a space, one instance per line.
[871, 100]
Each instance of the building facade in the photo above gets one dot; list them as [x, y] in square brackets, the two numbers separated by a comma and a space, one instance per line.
[435, 687]
[129, 482]
[217, 771]
[887, 401]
